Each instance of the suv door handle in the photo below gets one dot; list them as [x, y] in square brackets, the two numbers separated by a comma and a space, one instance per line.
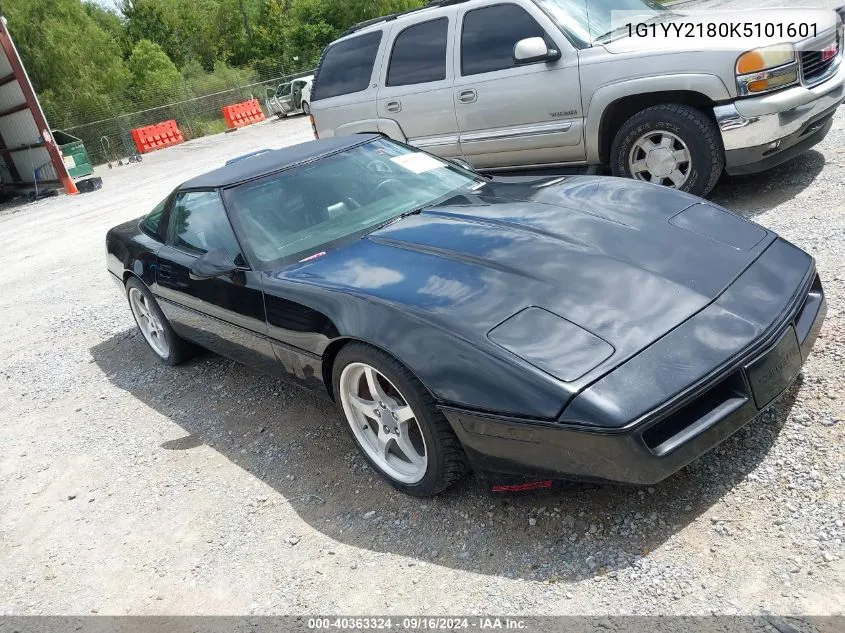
[394, 106]
[467, 96]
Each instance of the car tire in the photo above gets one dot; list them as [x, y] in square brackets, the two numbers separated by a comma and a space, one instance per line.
[677, 132]
[168, 346]
[306, 108]
[426, 432]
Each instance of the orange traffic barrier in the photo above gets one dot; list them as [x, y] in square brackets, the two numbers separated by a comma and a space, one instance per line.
[244, 113]
[152, 137]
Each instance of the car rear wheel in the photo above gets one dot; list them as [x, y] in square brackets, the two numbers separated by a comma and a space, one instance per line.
[156, 330]
[671, 144]
[306, 108]
[395, 423]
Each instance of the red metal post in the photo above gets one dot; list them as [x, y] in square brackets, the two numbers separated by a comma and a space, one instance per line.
[35, 107]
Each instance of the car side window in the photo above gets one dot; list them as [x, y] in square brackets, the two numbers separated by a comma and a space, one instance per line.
[151, 224]
[347, 66]
[283, 90]
[198, 224]
[489, 35]
[419, 54]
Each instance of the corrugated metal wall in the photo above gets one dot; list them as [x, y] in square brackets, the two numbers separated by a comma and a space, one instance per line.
[27, 150]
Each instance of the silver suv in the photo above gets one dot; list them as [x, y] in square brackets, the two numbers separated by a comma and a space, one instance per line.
[516, 84]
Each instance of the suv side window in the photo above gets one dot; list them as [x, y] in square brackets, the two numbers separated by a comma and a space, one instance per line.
[198, 224]
[419, 54]
[489, 35]
[347, 66]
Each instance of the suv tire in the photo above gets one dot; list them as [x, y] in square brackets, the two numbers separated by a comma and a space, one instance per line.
[678, 142]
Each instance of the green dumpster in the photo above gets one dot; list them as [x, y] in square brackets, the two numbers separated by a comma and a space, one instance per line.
[74, 154]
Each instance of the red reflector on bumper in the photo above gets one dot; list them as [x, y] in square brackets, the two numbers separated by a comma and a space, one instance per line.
[531, 485]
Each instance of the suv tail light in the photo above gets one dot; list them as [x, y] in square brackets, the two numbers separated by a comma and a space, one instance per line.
[313, 126]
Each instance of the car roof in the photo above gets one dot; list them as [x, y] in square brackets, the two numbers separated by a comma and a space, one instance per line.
[275, 160]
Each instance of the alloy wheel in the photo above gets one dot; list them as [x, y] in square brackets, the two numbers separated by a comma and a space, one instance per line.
[660, 157]
[148, 322]
[383, 422]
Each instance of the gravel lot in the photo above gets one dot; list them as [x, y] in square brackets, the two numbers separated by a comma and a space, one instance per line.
[127, 487]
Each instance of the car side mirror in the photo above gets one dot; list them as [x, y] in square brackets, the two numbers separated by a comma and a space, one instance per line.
[216, 263]
[534, 49]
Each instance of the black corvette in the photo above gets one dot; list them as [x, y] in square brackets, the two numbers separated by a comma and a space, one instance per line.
[534, 328]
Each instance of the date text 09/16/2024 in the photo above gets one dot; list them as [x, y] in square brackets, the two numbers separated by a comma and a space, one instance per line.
[418, 623]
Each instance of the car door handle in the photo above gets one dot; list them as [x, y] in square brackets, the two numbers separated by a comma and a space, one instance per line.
[394, 106]
[467, 96]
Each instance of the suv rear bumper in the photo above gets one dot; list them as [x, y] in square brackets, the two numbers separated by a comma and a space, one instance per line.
[762, 132]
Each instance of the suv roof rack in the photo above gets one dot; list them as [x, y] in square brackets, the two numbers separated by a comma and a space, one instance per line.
[387, 18]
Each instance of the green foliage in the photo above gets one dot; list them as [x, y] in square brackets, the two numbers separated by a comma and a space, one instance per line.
[204, 31]
[90, 63]
[223, 77]
[301, 29]
[154, 76]
[206, 125]
[110, 22]
[74, 63]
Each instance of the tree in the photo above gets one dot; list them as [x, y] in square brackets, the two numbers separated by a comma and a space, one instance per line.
[155, 77]
[110, 22]
[75, 64]
[188, 30]
[89, 63]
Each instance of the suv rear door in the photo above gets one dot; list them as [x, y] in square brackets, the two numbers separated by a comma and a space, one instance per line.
[415, 87]
[343, 94]
[509, 114]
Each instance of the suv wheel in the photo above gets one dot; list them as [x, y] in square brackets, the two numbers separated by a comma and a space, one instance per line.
[671, 144]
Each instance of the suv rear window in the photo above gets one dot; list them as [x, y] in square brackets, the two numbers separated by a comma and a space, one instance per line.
[419, 54]
[347, 66]
[489, 35]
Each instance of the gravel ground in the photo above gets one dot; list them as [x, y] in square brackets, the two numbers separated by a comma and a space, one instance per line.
[127, 487]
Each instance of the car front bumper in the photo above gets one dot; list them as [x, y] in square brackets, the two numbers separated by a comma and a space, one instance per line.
[654, 447]
[761, 132]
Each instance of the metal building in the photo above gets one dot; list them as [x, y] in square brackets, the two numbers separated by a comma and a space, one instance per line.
[29, 155]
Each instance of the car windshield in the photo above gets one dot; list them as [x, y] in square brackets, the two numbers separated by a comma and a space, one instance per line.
[589, 21]
[300, 211]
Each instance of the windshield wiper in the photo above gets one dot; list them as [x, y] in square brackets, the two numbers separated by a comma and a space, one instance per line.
[396, 218]
[606, 37]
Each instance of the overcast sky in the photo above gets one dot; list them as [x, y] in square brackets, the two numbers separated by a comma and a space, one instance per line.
[108, 4]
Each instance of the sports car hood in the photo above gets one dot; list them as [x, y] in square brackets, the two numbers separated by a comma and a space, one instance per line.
[611, 264]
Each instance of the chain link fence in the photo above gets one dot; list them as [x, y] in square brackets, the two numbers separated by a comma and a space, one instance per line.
[107, 134]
